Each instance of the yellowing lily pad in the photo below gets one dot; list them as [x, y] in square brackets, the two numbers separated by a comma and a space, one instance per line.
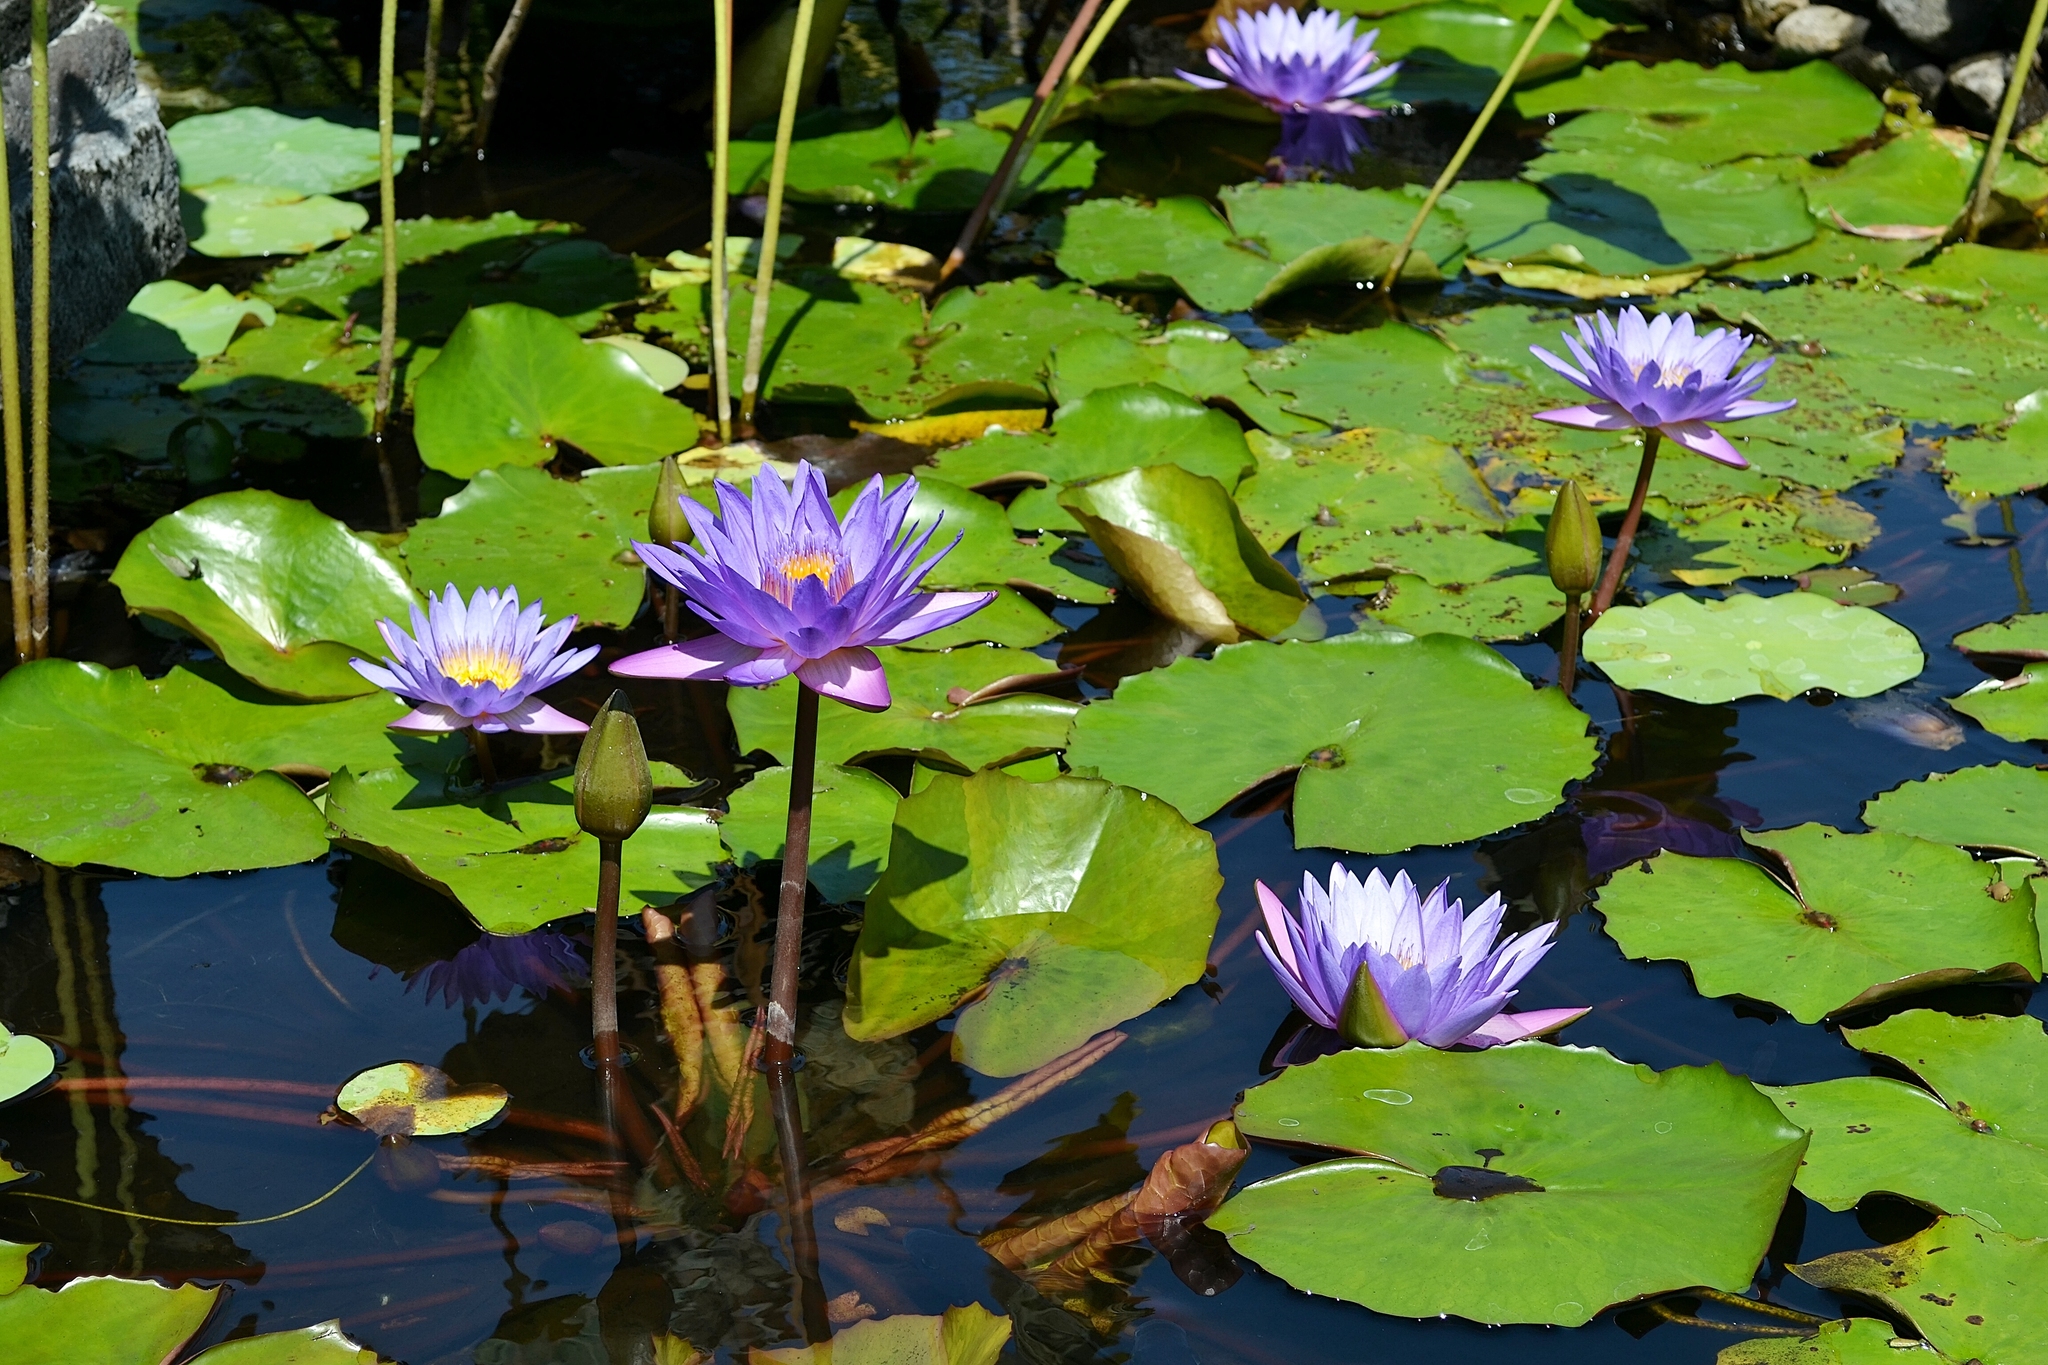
[406, 1099]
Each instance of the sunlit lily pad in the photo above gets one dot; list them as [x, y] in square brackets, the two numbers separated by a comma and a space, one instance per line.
[945, 170]
[321, 1344]
[257, 146]
[1510, 608]
[299, 373]
[1399, 741]
[169, 321]
[2017, 637]
[1707, 114]
[569, 544]
[2015, 460]
[1876, 917]
[924, 722]
[102, 1319]
[14, 1258]
[1851, 1341]
[1526, 1183]
[1065, 906]
[1831, 255]
[514, 381]
[1452, 52]
[349, 278]
[25, 1063]
[989, 346]
[285, 594]
[828, 340]
[267, 220]
[1747, 646]
[172, 775]
[850, 818]
[2003, 806]
[1977, 1146]
[1387, 376]
[1973, 1293]
[964, 1336]
[1196, 358]
[2015, 709]
[1178, 243]
[406, 1099]
[1296, 217]
[990, 554]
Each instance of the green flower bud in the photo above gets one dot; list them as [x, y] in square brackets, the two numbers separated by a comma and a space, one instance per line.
[1366, 1020]
[1571, 543]
[665, 522]
[613, 786]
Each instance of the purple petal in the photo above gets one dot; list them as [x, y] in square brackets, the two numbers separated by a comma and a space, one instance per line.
[431, 719]
[1513, 1028]
[935, 611]
[854, 676]
[536, 717]
[1591, 417]
[707, 658]
[1702, 439]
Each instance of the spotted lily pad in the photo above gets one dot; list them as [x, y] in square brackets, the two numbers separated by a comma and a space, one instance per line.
[850, 817]
[1747, 646]
[990, 554]
[1064, 907]
[1874, 917]
[1346, 713]
[406, 1099]
[963, 1336]
[1977, 1146]
[1973, 1293]
[2016, 708]
[944, 170]
[1851, 1341]
[988, 346]
[257, 146]
[1509, 608]
[2017, 637]
[102, 1319]
[1707, 114]
[514, 858]
[2003, 806]
[25, 1063]
[1474, 1169]
[2014, 461]
[1197, 358]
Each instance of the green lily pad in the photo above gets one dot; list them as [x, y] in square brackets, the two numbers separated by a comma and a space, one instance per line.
[1065, 906]
[407, 1100]
[1973, 1293]
[102, 1319]
[922, 721]
[266, 220]
[1831, 255]
[1602, 1182]
[283, 593]
[257, 146]
[963, 1336]
[1297, 217]
[942, 171]
[349, 279]
[2003, 806]
[173, 775]
[14, 1261]
[990, 554]
[514, 381]
[1388, 376]
[1707, 114]
[1178, 243]
[569, 544]
[1852, 1341]
[2001, 284]
[850, 817]
[1009, 620]
[1977, 1146]
[169, 321]
[1876, 917]
[321, 1344]
[1775, 537]
[515, 858]
[1511, 608]
[829, 340]
[1346, 712]
[1747, 646]
[989, 346]
[2016, 637]
[1912, 180]
[25, 1063]
[1196, 358]
[1454, 53]
[2017, 462]
[1176, 538]
[298, 373]
[2015, 709]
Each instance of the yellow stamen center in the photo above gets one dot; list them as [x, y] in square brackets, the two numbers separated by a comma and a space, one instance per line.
[472, 666]
[808, 564]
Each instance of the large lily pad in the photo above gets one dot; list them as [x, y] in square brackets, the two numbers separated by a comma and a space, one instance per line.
[1388, 376]
[408, 1100]
[2000, 807]
[1977, 1146]
[1065, 906]
[25, 1063]
[1850, 1341]
[1178, 243]
[323, 1343]
[1297, 217]
[1526, 1183]
[570, 544]
[1774, 537]
[1399, 741]
[1707, 114]
[2024, 636]
[257, 146]
[173, 775]
[945, 170]
[1452, 52]
[283, 593]
[923, 721]
[1831, 255]
[169, 322]
[333, 283]
[1513, 607]
[515, 859]
[850, 817]
[829, 340]
[969, 1335]
[990, 554]
[514, 381]
[989, 346]
[1747, 645]
[2015, 709]
[1874, 917]
[102, 1319]
[232, 219]
[1197, 358]
[1974, 1294]
[2016, 461]
[299, 373]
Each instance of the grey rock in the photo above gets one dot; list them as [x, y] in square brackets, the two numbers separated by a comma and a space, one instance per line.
[1818, 31]
[1884, 59]
[1978, 86]
[1761, 17]
[1946, 28]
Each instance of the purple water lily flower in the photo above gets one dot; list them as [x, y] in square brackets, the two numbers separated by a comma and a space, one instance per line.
[792, 589]
[477, 665]
[1437, 974]
[1656, 375]
[1305, 70]
[498, 966]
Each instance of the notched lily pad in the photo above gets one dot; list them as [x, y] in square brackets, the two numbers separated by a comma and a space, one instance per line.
[2015, 709]
[407, 1100]
[26, 1062]
[1747, 645]
[1973, 1293]
[2003, 807]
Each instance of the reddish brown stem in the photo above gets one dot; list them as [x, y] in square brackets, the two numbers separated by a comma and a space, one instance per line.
[1617, 561]
[1568, 661]
[480, 745]
[796, 869]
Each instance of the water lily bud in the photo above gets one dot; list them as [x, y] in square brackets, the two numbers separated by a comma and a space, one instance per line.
[1571, 543]
[202, 449]
[1224, 1133]
[613, 786]
[1367, 1021]
[665, 523]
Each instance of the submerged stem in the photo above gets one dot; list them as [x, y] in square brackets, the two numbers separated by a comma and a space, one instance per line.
[200, 1222]
[39, 327]
[2008, 110]
[796, 870]
[1610, 580]
[494, 72]
[10, 425]
[721, 198]
[784, 1105]
[771, 226]
[387, 206]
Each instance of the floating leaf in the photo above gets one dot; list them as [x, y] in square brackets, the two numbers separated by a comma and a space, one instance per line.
[102, 1319]
[1973, 1293]
[990, 554]
[1777, 537]
[1746, 645]
[1388, 376]
[850, 818]
[406, 1100]
[1297, 217]
[945, 170]
[828, 340]
[14, 1258]
[349, 278]
[2003, 806]
[257, 146]
[1511, 608]
[1977, 1146]
[514, 381]
[1527, 1183]
[299, 373]
[1455, 53]
[283, 593]
[922, 722]
[1706, 114]
[2016, 637]
[1351, 714]
[2015, 709]
[321, 1344]
[964, 1336]
[1852, 1341]
[568, 544]
[267, 220]
[169, 322]
[2016, 462]
[25, 1063]
[1196, 358]
[988, 346]
[1914, 179]
[1831, 255]
[171, 776]
[1875, 917]
[514, 858]
[1177, 243]
[1064, 907]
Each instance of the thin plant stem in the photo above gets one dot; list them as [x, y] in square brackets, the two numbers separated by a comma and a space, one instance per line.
[39, 327]
[1617, 560]
[1472, 136]
[480, 746]
[604, 968]
[771, 226]
[494, 72]
[721, 198]
[10, 425]
[200, 1222]
[1776, 1310]
[430, 81]
[387, 202]
[2014, 564]
[1568, 654]
[784, 1105]
[2008, 111]
[796, 872]
[1005, 171]
[1075, 69]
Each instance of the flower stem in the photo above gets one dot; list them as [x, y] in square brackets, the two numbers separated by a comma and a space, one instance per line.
[494, 72]
[784, 1106]
[721, 196]
[430, 78]
[39, 327]
[1610, 580]
[387, 206]
[604, 956]
[1007, 184]
[1568, 655]
[480, 746]
[2008, 111]
[796, 868]
[10, 424]
[771, 226]
[1478, 129]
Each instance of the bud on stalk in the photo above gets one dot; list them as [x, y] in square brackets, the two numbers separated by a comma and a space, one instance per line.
[1571, 551]
[666, 525]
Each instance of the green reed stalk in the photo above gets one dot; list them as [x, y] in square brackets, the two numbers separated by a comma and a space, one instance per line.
[2008, 110]
[39, 326]
[1478, 129]
[494, 72]
[1075, 69]
[771, 227]
[387, 201]
[10, 423]
[721, 198]
[430, 80]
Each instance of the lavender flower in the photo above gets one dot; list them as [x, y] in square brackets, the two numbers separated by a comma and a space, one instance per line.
[477, 665]
[498, 966]
[792, 589]
[1657, 376]
[1413, 968]
[1305, 70]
